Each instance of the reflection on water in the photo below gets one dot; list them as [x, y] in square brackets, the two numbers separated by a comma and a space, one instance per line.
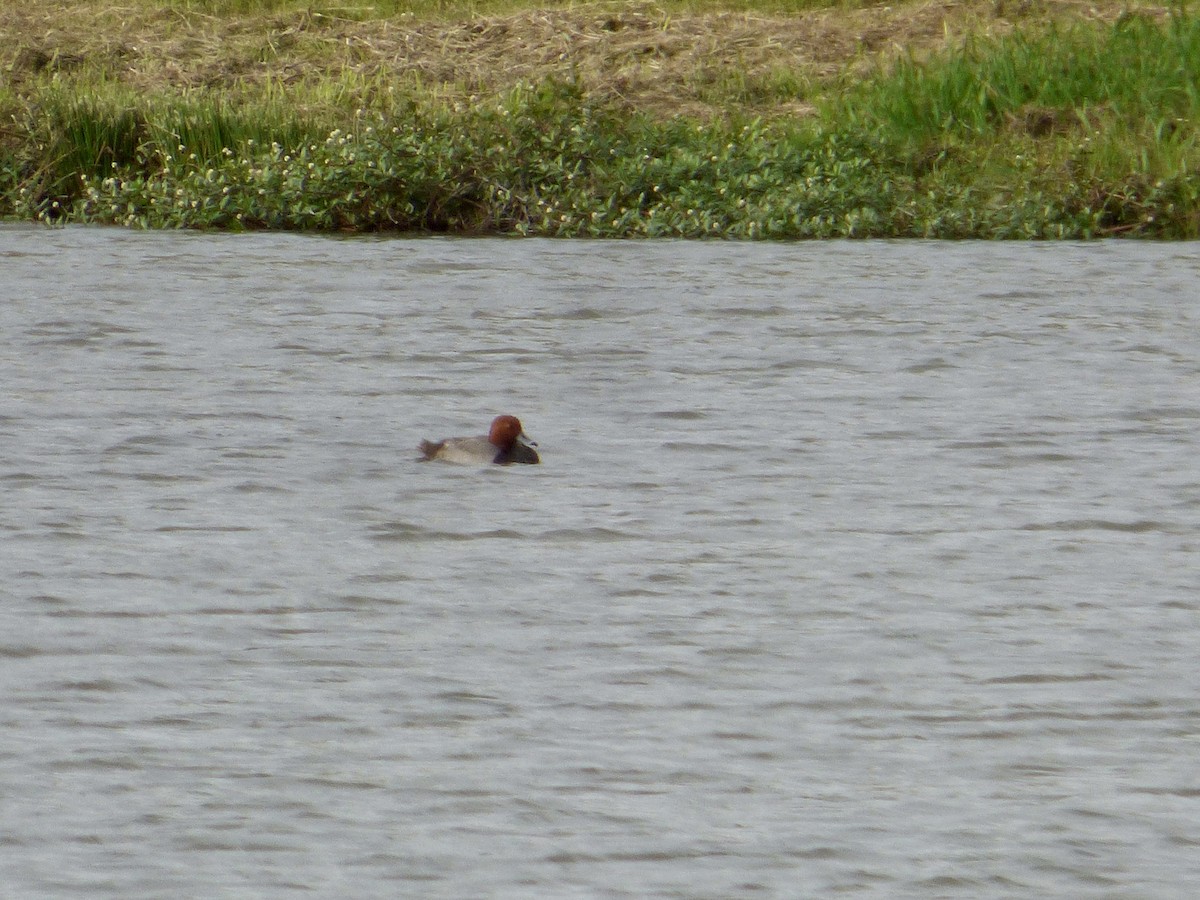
[858, 568]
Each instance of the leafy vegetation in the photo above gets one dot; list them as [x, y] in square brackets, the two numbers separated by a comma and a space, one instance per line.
[1061, 130]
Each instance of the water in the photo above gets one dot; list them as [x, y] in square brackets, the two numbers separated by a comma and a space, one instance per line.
[862, 569]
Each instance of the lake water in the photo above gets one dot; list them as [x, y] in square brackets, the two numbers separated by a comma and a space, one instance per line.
[855, 569]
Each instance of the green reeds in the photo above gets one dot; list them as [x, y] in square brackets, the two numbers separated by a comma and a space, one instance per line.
[1091, 129]
[1136, 70]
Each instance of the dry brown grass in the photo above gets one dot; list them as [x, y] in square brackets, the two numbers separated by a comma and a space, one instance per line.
[648, 56]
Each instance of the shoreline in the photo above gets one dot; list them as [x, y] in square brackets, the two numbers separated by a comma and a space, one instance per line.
[608, 120]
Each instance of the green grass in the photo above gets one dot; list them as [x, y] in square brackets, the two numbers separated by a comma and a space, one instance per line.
[1066, 132]
[1136, 70]
[1092, 128]
[734, 88]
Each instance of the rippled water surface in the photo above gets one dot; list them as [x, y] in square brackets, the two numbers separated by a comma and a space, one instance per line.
[855, 569]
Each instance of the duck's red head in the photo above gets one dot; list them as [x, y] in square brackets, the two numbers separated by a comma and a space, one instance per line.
[505, 431]
[514, 445]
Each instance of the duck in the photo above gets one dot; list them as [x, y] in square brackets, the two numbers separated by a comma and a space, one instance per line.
[504, 444]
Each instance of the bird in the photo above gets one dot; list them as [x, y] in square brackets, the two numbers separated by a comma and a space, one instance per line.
[505, 443]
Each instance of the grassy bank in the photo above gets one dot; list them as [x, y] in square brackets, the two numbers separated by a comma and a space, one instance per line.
[722, 120]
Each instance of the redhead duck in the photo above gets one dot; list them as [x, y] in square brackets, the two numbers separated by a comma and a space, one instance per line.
[505, 443]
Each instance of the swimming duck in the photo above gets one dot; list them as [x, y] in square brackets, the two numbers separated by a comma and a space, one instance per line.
[505, 443]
